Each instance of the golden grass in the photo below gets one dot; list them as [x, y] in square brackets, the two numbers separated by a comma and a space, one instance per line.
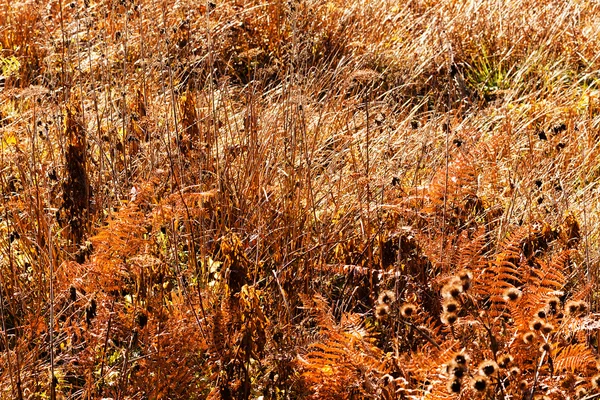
[206, 200]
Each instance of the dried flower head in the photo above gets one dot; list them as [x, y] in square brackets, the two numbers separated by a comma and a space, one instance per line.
[449, 318]
[512, 294]
[545, 347]
[536, 324]
[450, 306]
[541, 313]
[515, 371]
[407, 310]
[386, 297]
[553, 302]
[480, 383]
[488, 368]
[523, 384]
[581, 392]
[505, 360]
[572, 307]
[465, 277]
[583, 307]
[382, 311]
[461, 359]
[452, 289]
[456, 370]
[596, 381]
[547, 328]
[454, 386]
[528, 337]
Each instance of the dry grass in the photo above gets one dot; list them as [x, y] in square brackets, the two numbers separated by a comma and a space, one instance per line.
[206, 201]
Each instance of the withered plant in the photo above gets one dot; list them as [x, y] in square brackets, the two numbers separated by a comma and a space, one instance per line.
[299, 199]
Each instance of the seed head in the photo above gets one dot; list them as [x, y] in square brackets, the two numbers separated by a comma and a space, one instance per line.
[488, 368]
[452, 289]
[454, 386]
[547, 328]
[386, 297]
[581, 392]
[449, 318]
[596, 381]
[505, 360]
[465, 277]
[407, 310]
[536, 324]
[450, 306]
[528, 337]
[541, 313]
[545, 347]
[553, 302]
[512, 294]
[523, 384]
[456, 370]
[461, 359]
[572, 307]
[382, 311]
[480, 383]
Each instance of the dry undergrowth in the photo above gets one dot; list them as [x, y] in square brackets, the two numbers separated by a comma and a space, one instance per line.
[300, 199]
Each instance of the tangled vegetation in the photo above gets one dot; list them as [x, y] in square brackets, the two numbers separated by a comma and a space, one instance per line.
[299, 199]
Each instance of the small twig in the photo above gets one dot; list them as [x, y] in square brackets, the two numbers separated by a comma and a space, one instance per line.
[422, 333]
[51, 318]
[537, 374]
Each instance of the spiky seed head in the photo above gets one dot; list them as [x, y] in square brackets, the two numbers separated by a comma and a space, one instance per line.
[488, 368]
[541, 313]
[461, 359]
[515, 371]
[382, 311]
[407, 310]
[547, 328]
[545, 347]
[523, 384]
[528, 337]
[512, 294]
[452, 289]
[450, 306]
[596, 381]
[536, 324]
[465, 277]
[454, 386]
[572, 307]
[449, 318]
[480, 383]
[505, 360]
[456, 370]
[553, 302]
[386, 297]
[581, 392]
